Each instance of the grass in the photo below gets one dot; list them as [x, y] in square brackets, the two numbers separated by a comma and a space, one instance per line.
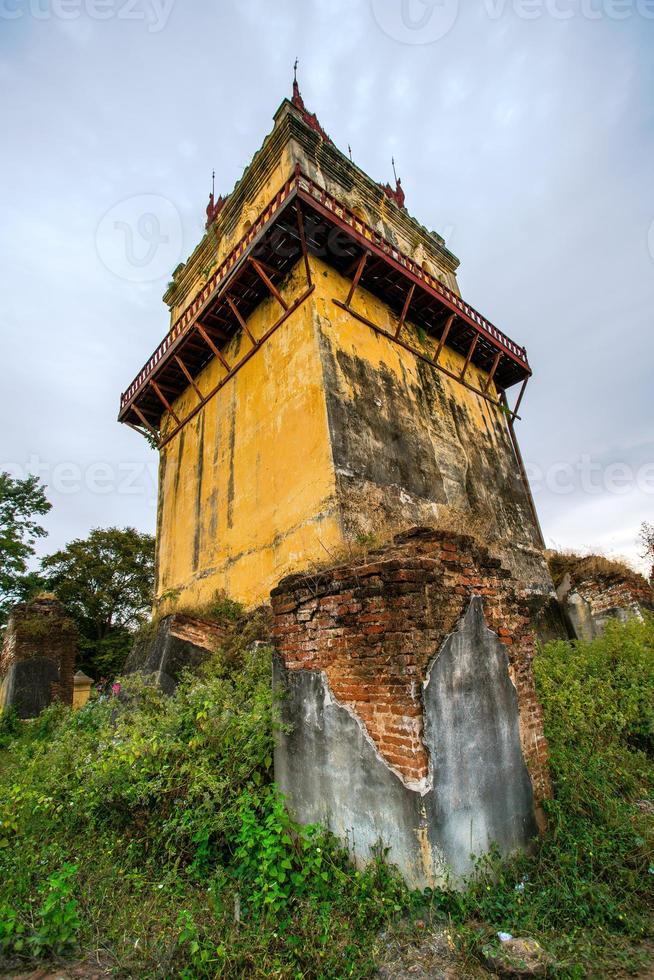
[581, 567]
[359, 548]
[148, 831]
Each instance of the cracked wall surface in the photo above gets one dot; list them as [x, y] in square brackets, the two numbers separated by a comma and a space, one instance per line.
[411, 445]
[373, 627]
[329, 431]
[410, 709]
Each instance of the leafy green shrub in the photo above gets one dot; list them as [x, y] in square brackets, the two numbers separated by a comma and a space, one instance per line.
[204, 958]
[599, 697]
[279, 864]
[151, 825]
[590, 878]
[10, 726]
[58, 914]
[12, 930]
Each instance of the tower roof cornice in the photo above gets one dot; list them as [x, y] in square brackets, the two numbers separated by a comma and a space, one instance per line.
[297, 134]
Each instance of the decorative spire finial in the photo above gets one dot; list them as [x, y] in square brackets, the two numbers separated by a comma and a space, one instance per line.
[310, 118]
[349, 150]
[297, 98]
[214, 207]
[396, 195]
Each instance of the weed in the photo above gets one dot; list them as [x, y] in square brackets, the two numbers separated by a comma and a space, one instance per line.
[10, 726]
[581, 567]
[58, 915]
[151, 826]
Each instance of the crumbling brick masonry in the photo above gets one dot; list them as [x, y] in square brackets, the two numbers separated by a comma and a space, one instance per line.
[374, 630]
[37, 662]
[590, 602]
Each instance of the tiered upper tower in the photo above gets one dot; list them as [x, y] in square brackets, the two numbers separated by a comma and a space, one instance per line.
[323, 380]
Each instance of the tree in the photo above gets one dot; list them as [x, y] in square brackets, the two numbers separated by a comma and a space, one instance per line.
[106, 582]
[21, 503]
[646, 536]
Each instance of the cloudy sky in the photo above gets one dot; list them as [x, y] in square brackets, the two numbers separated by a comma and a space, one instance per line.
[523, 131]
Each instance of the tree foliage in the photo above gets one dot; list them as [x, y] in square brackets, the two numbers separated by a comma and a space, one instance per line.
[105, 582]
[646, 537]
[22, 503]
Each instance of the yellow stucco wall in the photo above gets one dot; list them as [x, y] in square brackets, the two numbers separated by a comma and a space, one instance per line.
[251, 488]
[412, 445]
[247, 489]
[353, 336]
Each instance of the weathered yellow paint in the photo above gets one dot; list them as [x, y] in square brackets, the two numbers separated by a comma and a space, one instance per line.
[247, 489]
[355, 337]
[469, 443]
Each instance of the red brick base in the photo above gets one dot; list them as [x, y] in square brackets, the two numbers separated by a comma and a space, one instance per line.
[375, 627]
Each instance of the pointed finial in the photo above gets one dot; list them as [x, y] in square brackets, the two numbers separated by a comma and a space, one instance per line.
[297, 98]
[396, 195]
[349, 150]
[213, 182]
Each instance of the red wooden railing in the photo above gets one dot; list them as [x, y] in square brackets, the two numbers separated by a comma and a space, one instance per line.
[299, 182]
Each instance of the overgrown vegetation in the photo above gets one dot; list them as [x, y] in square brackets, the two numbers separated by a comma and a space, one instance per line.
[105, 582]
[580, 567]
[149, 829]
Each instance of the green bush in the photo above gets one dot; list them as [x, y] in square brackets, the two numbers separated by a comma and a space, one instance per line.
[58, 915]
[148, 820]
[150, 825]
[10, 727]
[588, 890]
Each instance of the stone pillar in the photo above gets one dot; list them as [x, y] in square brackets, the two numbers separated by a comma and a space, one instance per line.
[38, 657]
[411, 707]
[82, 684]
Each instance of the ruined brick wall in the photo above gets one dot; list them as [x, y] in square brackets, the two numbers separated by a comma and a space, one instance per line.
[374, 627]
[590, 601]
[603, 596]
[179, 642]
[37, 662]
